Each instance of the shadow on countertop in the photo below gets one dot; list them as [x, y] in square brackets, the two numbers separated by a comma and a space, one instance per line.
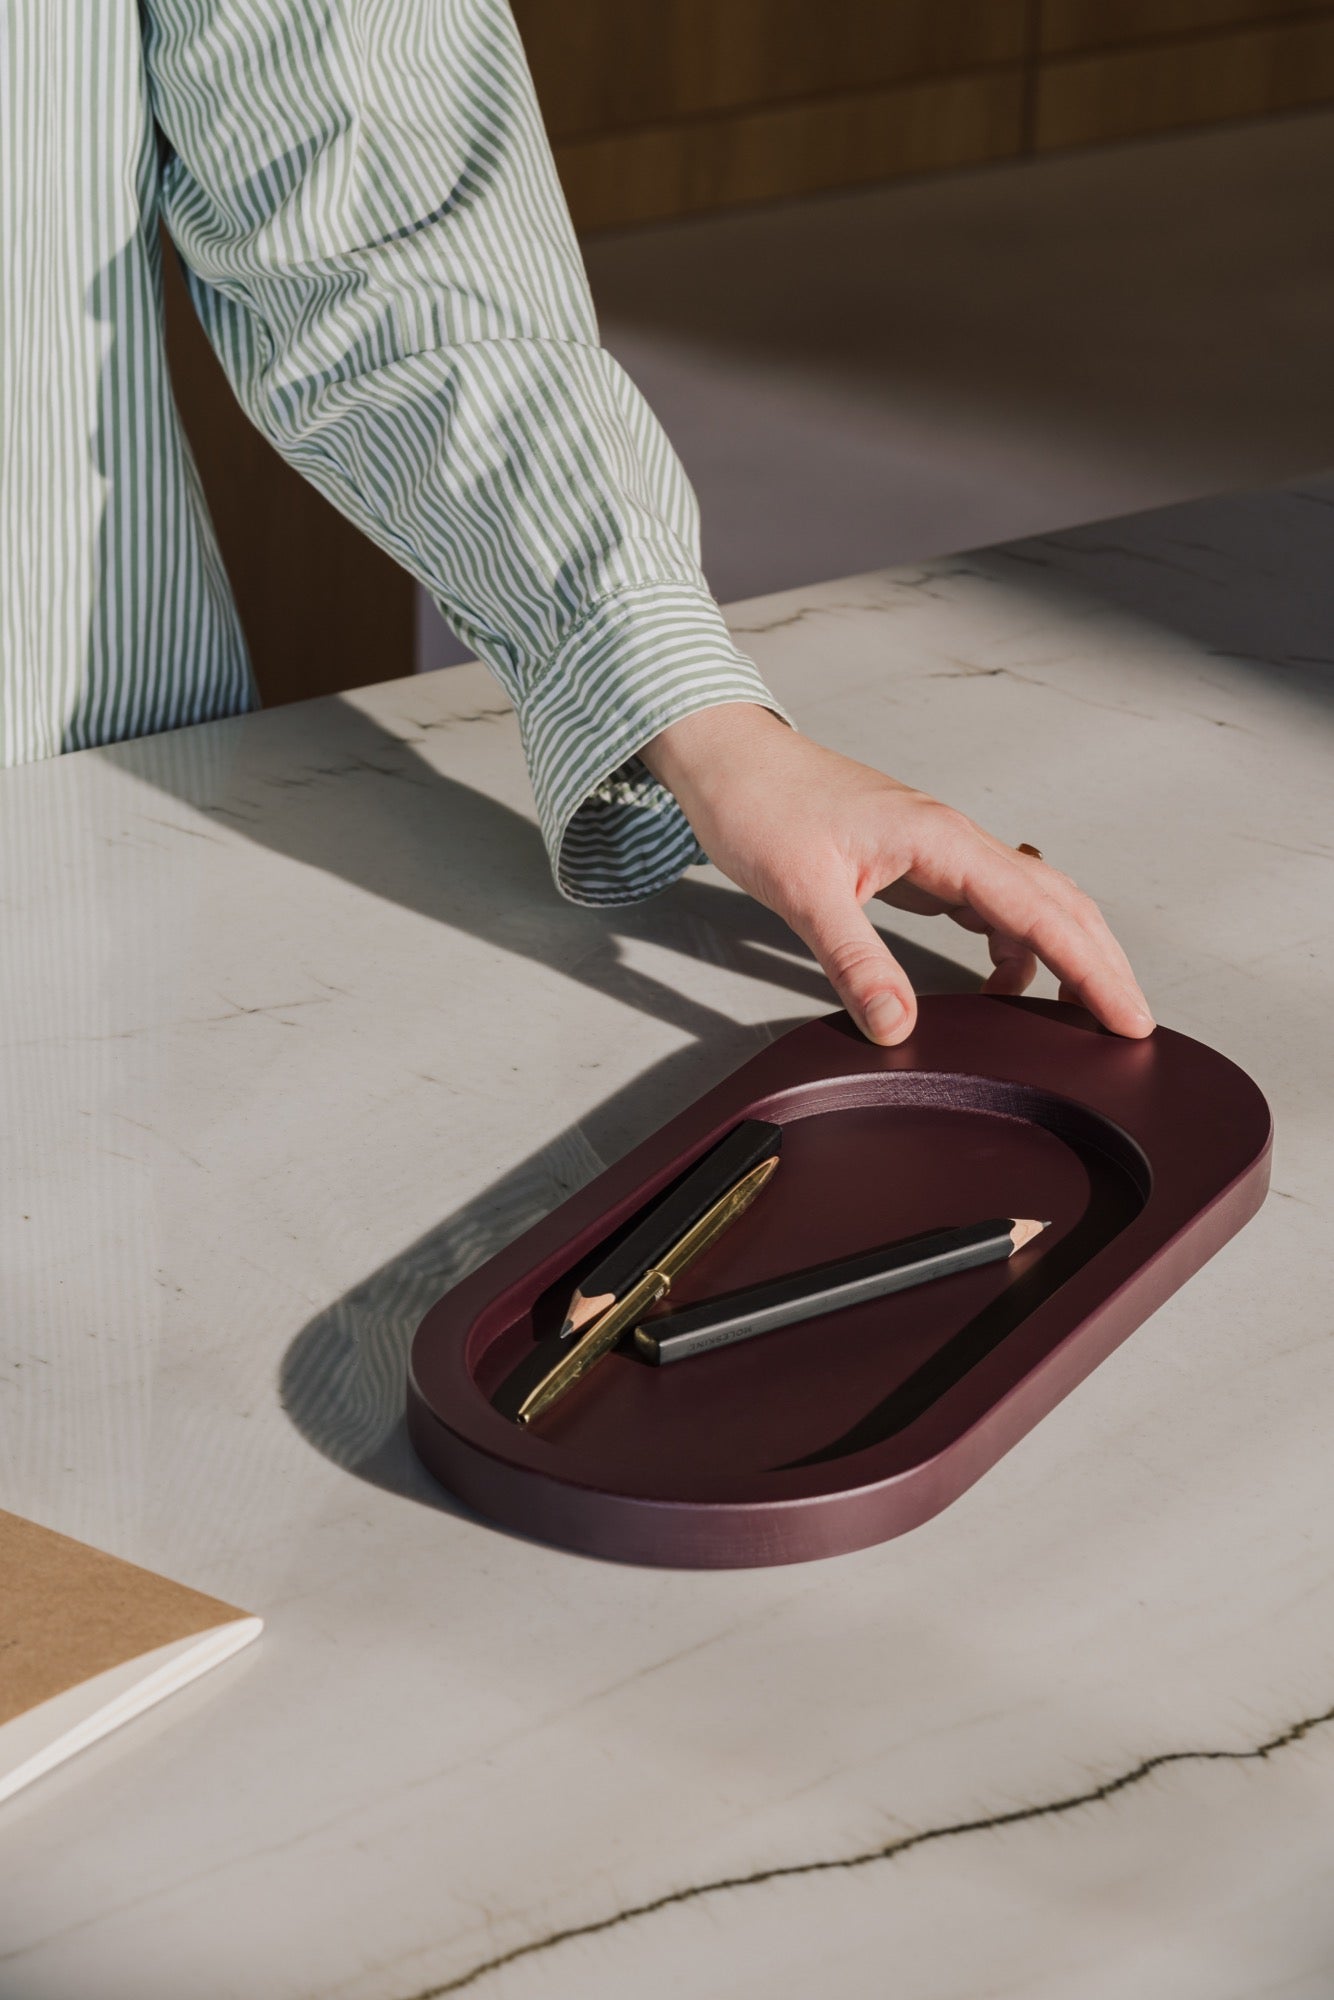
[366, 807]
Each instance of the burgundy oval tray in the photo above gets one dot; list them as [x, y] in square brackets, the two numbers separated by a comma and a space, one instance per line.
[851, 1428]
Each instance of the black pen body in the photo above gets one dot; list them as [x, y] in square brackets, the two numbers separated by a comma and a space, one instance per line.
[824, 1288]
[747, 1146]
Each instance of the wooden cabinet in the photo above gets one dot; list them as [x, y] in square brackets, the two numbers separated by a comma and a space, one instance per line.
[662, 108]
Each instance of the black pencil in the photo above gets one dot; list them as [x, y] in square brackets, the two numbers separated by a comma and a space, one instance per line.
[746, 1146]
[826, 1288]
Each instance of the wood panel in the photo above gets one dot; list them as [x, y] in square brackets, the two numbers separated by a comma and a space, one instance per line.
[1087, 100]
[684, 169]
[606, 65]
[1067, 25]
[683, 106]
[322, 607]
[662, 108]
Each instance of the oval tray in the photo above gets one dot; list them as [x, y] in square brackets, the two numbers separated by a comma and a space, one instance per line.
[851, 1428]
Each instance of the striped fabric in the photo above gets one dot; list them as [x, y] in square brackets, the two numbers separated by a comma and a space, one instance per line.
[376, 243]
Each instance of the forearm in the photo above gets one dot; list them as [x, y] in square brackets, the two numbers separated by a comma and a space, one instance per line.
[378, 248]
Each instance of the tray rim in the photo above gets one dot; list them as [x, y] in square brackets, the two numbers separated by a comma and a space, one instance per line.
[883, 1488]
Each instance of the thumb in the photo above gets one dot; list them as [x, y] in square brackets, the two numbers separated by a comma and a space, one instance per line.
[864, 973]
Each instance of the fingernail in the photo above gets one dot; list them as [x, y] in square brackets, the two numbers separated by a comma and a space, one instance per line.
[884, 1014]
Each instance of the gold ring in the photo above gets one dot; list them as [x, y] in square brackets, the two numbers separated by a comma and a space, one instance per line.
[1025, 848]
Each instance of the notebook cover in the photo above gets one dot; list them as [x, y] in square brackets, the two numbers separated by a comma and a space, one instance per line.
[70, 1612]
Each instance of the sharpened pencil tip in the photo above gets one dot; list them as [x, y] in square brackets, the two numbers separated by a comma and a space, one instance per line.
[1023, 1230]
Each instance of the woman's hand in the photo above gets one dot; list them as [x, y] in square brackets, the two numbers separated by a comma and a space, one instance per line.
[814, 836]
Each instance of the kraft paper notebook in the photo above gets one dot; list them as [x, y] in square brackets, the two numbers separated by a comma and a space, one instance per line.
[88, 1641]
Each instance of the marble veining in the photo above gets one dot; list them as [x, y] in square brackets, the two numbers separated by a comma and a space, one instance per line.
[892, 1850]
[294, 1032]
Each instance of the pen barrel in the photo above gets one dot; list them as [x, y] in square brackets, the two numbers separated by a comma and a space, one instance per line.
[589, 1349]
[827, 1288]
[656, 1282]
[746, 1147]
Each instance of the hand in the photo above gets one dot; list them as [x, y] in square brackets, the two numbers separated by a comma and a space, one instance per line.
[814, 836]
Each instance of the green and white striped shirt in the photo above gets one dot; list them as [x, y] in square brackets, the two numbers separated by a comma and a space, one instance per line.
[365, 204]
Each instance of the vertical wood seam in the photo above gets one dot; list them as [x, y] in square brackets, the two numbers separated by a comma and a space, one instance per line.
[1032, 53]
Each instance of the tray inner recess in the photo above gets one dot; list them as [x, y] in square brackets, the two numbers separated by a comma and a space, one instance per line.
[865, 1160]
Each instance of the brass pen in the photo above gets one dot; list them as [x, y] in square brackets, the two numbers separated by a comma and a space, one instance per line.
[655, 1284]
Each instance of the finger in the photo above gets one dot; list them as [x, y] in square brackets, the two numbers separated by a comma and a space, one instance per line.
[1045, 911]
[1068, 893]
[860, 967]
[1024, 899]
[1016, 967]
[986, 886]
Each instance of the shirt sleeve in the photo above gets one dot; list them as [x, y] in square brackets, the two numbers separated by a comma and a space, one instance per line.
[363, 197]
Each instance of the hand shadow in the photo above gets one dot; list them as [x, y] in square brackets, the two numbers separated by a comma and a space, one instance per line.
[366, 807]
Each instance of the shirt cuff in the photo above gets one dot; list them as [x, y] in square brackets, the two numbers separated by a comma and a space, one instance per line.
[635, 663]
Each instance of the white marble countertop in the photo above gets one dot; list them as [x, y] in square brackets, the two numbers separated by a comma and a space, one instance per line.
[294, 1029]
